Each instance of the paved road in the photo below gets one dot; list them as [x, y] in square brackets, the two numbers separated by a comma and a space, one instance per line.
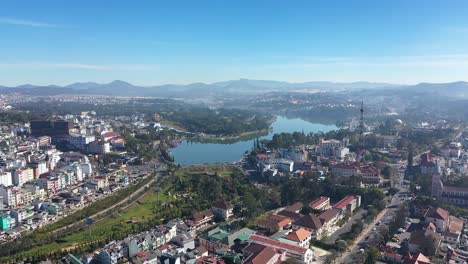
[110, 208]
[383, 216]
[346, 227]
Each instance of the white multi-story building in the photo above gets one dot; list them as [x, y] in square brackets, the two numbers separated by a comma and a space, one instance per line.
[9, 196]
[6, 178]
[284, 165]
[54, 158]
[20, 177]
[80, 141]
[98, 147]
[87, 169]
[340, 152]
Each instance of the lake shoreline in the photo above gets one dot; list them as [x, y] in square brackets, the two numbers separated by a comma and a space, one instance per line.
[230, 149]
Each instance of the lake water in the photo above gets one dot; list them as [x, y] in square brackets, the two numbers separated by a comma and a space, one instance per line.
[196, 153]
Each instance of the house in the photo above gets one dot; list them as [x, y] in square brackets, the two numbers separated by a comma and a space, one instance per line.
[322, 203]
[345, 170]
[429, 164]
[305, 255]
[294, 216]
[330, 219]
[299, 237]
[260, 254]
[184, 241]
[417, 259]
[202, 218]
[421, 240]
[349, 203]
[145, 258]
[454, 230]
[310, 223]
[220, 241]
[296, 207]
[391, 257]
[438, 216]
[274, 223]
[370, 176]
[450, 194]
[223, 210]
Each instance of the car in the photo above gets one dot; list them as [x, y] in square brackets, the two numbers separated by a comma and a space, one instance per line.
[373, 229]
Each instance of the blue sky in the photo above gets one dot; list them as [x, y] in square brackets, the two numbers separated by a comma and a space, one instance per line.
[156, 42]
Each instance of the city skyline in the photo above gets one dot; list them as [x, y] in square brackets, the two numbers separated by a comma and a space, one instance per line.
[153, 43]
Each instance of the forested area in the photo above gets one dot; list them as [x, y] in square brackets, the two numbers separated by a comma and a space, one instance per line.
[200, 190]
[11, 117]
[310, 187]
[193, 118]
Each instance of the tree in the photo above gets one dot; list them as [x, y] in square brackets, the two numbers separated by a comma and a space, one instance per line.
[372, 255]
[387, 172]
[428, 245]
[410, 156]
[404, 248]
[306, 210]
[331, 257]
[341, 245]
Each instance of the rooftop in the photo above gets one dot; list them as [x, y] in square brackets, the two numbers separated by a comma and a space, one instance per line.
[344, 202]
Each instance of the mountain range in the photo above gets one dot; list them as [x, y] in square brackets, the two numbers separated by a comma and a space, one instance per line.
[233, 87]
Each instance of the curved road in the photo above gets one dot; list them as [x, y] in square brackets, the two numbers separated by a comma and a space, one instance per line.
[107, 209]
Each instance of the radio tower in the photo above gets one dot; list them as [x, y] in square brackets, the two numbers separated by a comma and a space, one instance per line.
[361, 121]
[361, 124]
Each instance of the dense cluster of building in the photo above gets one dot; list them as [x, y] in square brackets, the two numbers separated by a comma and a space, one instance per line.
[205, 238]
[303, 159]
[449, 167]
[432, 231]
[40, 183]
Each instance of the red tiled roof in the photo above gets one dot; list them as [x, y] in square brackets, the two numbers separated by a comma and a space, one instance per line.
[296, 207]
[417, 259]
[345, 166]
[344, 202]
[198, 216]
[437, 213]
[289, 214]
[310, 222]
[456, 224]
[280, 220]
[264, 256]
[109, 134]
[298, 235]
[329, 214]
[143, 254]
[268, 224]
[278, 244]
[318, 202]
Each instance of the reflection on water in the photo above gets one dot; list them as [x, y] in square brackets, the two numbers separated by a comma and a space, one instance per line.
[196, 153]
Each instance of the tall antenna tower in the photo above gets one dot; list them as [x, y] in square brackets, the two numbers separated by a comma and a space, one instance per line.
[361, 120]
[361, 125]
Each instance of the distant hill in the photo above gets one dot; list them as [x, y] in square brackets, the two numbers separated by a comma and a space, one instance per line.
[235, 87]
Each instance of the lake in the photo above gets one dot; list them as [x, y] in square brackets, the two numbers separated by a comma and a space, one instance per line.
[187, 152]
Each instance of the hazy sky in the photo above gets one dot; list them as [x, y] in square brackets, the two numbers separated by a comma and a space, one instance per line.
[156, 42]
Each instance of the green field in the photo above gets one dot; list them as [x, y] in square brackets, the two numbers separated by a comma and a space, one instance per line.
[119, 224]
